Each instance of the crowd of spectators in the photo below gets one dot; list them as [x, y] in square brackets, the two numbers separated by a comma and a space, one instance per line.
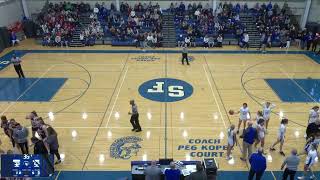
[58, 22]
[205, 27]
[141, 24]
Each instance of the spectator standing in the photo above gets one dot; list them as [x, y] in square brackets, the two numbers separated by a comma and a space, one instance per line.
[187, 41]
[206, 41]
[258, 165]
[315, 42]
[249, 136]
[199, 174]
[291, 164]
[185, 54]
[309, 40]
[153, 172]
[245, 40]
[172, 173]
[16, 61]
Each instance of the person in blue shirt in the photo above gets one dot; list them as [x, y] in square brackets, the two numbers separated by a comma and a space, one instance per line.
[248, 136]
[258, 165]
[172, 173]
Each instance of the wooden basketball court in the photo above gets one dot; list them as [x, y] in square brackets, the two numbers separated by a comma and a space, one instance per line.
[90, 110]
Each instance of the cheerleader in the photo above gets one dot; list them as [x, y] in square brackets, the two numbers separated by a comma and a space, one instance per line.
[261, 130]
[310, 161]
[244, 116]
[232, 140]
[281, 136]
[266, 111]
[313, 114]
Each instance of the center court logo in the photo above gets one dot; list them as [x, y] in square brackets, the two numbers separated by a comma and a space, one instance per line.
[125, 147]
[165, 90]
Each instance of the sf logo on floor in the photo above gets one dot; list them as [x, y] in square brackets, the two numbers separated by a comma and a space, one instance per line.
[165, 90]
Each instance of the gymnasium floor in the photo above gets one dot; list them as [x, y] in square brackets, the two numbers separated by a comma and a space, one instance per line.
[88, 93]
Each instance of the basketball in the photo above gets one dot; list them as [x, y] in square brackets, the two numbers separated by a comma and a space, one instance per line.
[231, 112]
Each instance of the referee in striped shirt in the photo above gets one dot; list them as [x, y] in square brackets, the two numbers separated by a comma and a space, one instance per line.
[17, 66]
[134, 120]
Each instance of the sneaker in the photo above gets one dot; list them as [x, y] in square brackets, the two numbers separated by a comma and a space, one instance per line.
[238, 132]
[228, 158]
[272, 149]
[282, 153]
[313, 177]
[58, 162]
[301, 177]
[243, 159]
[133, 129]
[138, 130]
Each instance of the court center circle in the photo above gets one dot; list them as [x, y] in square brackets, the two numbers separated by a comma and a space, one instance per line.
[165, 90]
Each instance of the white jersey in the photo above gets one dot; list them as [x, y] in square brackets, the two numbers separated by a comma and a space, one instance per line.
[266, 111]
[261, 131]
[313, 116]
[282, 132]
[244, 113]
[311, 157]
[231, 135]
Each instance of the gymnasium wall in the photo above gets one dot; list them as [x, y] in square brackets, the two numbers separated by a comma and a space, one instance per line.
[314, 15]
[10, 12]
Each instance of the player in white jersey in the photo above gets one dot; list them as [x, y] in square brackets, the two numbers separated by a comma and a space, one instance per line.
[261, 130]
[244, 115]
[310, 161]
[232, 140]
[313, 114]
[281, 136]
[266, 111]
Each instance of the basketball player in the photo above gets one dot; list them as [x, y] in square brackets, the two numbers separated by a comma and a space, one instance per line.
[244, 116]
[134, 120]
[185, 54]
[261, 133]
[281, 136]
[310, 161]
[5, 125]
[33, 116]
[16, 61]
[232, 140]
[266, 111]
[313, 114]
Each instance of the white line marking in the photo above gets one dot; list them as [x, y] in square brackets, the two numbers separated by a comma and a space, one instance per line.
[114, 103]
[215, 98]
[25, 91]
[274, 177]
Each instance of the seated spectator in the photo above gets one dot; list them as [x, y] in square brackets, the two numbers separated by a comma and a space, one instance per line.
[187, 41]
[211, 42]
[219, 40]
[206, 41]
[172, 173]
[58, 40]
[180, 40]
[153, 172]
[150, 40]
[200, 174]
[14, 39]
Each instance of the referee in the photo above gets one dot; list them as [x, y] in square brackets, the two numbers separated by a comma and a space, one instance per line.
[134, 120]
[17, 66]
[185, 54]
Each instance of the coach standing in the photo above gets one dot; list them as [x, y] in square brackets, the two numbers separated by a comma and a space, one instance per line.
[258, 164]
[134, 120]
[185, 54]
[17, 66]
